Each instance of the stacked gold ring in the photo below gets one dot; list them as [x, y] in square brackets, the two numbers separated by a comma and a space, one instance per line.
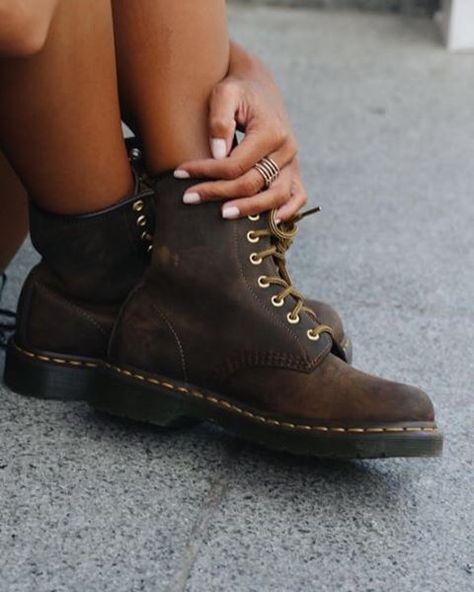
[269, 170]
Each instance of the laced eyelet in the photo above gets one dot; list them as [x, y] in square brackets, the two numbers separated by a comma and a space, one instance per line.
[262, 282]
[251, 237]
[138, 205]
[311, 335]
[141, 221]
[146, 236]
[277, 301]
[254, 218]
[294, 320]
[149, 249]
[255, 259]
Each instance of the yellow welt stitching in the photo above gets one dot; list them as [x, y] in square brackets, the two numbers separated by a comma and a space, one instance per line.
[65, 361]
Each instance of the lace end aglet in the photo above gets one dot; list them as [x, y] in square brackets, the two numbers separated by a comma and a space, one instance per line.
[307, 213]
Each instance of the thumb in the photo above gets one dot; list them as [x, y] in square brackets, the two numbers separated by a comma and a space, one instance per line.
[223, 106]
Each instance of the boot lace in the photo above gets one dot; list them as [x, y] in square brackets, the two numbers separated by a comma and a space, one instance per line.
[282, 236]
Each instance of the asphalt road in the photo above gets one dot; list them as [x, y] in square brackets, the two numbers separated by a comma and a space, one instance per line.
[386, 126]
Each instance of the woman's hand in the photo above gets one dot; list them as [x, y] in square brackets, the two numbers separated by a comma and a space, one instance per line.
[247, 100]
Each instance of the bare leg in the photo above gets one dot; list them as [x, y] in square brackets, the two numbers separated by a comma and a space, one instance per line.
[170, 55]
[60, 125]
[14, 217]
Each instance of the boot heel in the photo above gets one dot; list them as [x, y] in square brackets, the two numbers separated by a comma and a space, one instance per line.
[139, 402]
[47, 376]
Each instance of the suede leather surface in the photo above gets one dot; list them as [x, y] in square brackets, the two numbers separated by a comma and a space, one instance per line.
[200, 316]
[89, 264]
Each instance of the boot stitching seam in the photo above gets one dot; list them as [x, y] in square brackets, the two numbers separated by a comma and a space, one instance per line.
[175, 334]
[255, 359]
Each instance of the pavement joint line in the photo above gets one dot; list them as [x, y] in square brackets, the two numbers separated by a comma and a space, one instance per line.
[213, 501]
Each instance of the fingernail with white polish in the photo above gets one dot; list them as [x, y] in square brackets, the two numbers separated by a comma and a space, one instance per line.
[180, 174]
[218, 148]
[191, 198]
[230, 213]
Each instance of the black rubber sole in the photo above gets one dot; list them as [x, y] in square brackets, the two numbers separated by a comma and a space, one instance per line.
[125, 392]
[49, 376]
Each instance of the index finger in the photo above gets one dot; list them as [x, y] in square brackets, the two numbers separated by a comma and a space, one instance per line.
[256, 145]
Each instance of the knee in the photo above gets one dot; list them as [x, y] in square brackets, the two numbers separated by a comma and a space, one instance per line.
[23, 33]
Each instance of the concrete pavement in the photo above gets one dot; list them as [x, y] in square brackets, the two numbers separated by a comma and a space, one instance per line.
[386, 126]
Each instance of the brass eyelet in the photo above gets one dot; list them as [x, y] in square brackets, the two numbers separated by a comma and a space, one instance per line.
[138, 206]
[146, 236]
[149, 249]
[251, 237]
[311, 335]
[254, 218]
[255, 259]
[262, 282]
[141, 221]
[294, 320]
[277, 301]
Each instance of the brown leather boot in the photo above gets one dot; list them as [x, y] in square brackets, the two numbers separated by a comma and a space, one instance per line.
[324, 311]
[70, 300]
[217, 331]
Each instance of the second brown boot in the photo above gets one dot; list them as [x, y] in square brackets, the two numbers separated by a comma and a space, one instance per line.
[217, 331]
[70, 300]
